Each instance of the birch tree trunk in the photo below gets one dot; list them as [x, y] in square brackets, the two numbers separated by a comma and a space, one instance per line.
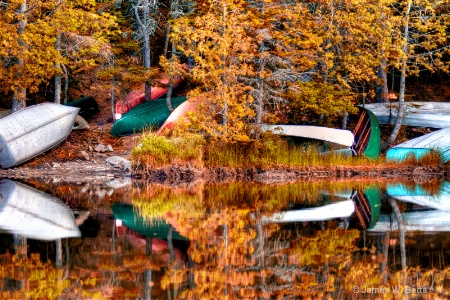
[57, 98]
[146, 46]
[401, 98]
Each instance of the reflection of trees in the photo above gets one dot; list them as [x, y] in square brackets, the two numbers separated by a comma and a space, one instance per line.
[235, 255]
[23, 277]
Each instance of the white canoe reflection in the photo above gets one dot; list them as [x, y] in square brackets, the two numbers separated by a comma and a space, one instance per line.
[33, 214]
[342, 209]
[426, 221]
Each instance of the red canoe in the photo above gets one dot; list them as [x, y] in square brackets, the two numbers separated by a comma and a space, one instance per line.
[178, 112]
[159, 246]
[137, 97]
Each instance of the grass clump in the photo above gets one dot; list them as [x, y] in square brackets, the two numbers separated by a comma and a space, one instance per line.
[158, 151]
[271, 151]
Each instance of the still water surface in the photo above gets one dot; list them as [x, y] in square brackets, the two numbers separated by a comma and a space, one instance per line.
[245, 240]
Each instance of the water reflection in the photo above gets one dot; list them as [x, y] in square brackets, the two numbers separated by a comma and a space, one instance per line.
[30, 213]
[251, 240]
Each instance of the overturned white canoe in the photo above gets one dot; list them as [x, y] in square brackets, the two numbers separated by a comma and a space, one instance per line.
[437, 141]
[33, 130]
[332, 135]
[341, 209]
[33, 214]
[426, 221]
[420, 114]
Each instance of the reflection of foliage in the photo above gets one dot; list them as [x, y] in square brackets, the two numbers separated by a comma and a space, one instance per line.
[155, 201]
[38, 280]
[328, 246]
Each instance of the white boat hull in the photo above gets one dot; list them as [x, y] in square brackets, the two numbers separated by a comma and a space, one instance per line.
[33, 214]
[420, 114]
[436, 141]
[31, 131]
[332, 135]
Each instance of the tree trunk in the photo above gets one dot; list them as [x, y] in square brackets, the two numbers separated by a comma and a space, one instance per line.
[401, 98]
[146, 47]
[401, 231]
[166, 40]
[225, 103]
[21, 93]
[382, 90]
[57, 98]
[66, 83]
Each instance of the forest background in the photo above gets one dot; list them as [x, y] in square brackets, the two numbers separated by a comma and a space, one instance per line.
[250, 62]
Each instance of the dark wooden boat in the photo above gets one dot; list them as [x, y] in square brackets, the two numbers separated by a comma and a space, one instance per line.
[367, 135]
[88, 107]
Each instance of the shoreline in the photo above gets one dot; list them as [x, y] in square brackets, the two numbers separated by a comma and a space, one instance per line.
[98, 170]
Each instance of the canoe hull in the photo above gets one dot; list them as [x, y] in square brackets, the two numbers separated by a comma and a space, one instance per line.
[332, 135]
[31, 131]
[367, 135]
[31, 213]
[148, 115]
[420, 114]
[88, 107]
[437, 141]
[136, 97]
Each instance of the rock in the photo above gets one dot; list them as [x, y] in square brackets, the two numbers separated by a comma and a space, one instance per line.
[56, 165]
[109, 148]
[119, 162]
[100, 148]
[118, 183]
[90, 148]
[85, 155]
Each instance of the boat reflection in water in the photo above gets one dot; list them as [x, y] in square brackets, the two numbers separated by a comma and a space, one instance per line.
[360, 208]
[430, 214]
[33, 214]
[245, 240]
[155, 236]
[417, 194]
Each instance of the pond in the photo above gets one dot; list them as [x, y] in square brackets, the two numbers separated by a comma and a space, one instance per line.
[130, 239]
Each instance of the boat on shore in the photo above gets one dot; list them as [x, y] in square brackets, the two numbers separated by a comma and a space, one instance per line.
[418, 114]
[339, 137]
[434, 142]
[148, 115]
[33, 130]
[33, 214]
[136, 97]
[88, 106]
[367, 135]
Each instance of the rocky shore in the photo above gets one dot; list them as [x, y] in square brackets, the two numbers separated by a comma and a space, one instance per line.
[106, 168]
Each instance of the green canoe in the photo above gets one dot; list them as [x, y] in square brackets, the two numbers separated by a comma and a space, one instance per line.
[131, 219]
[151, 114]
[367, 135]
